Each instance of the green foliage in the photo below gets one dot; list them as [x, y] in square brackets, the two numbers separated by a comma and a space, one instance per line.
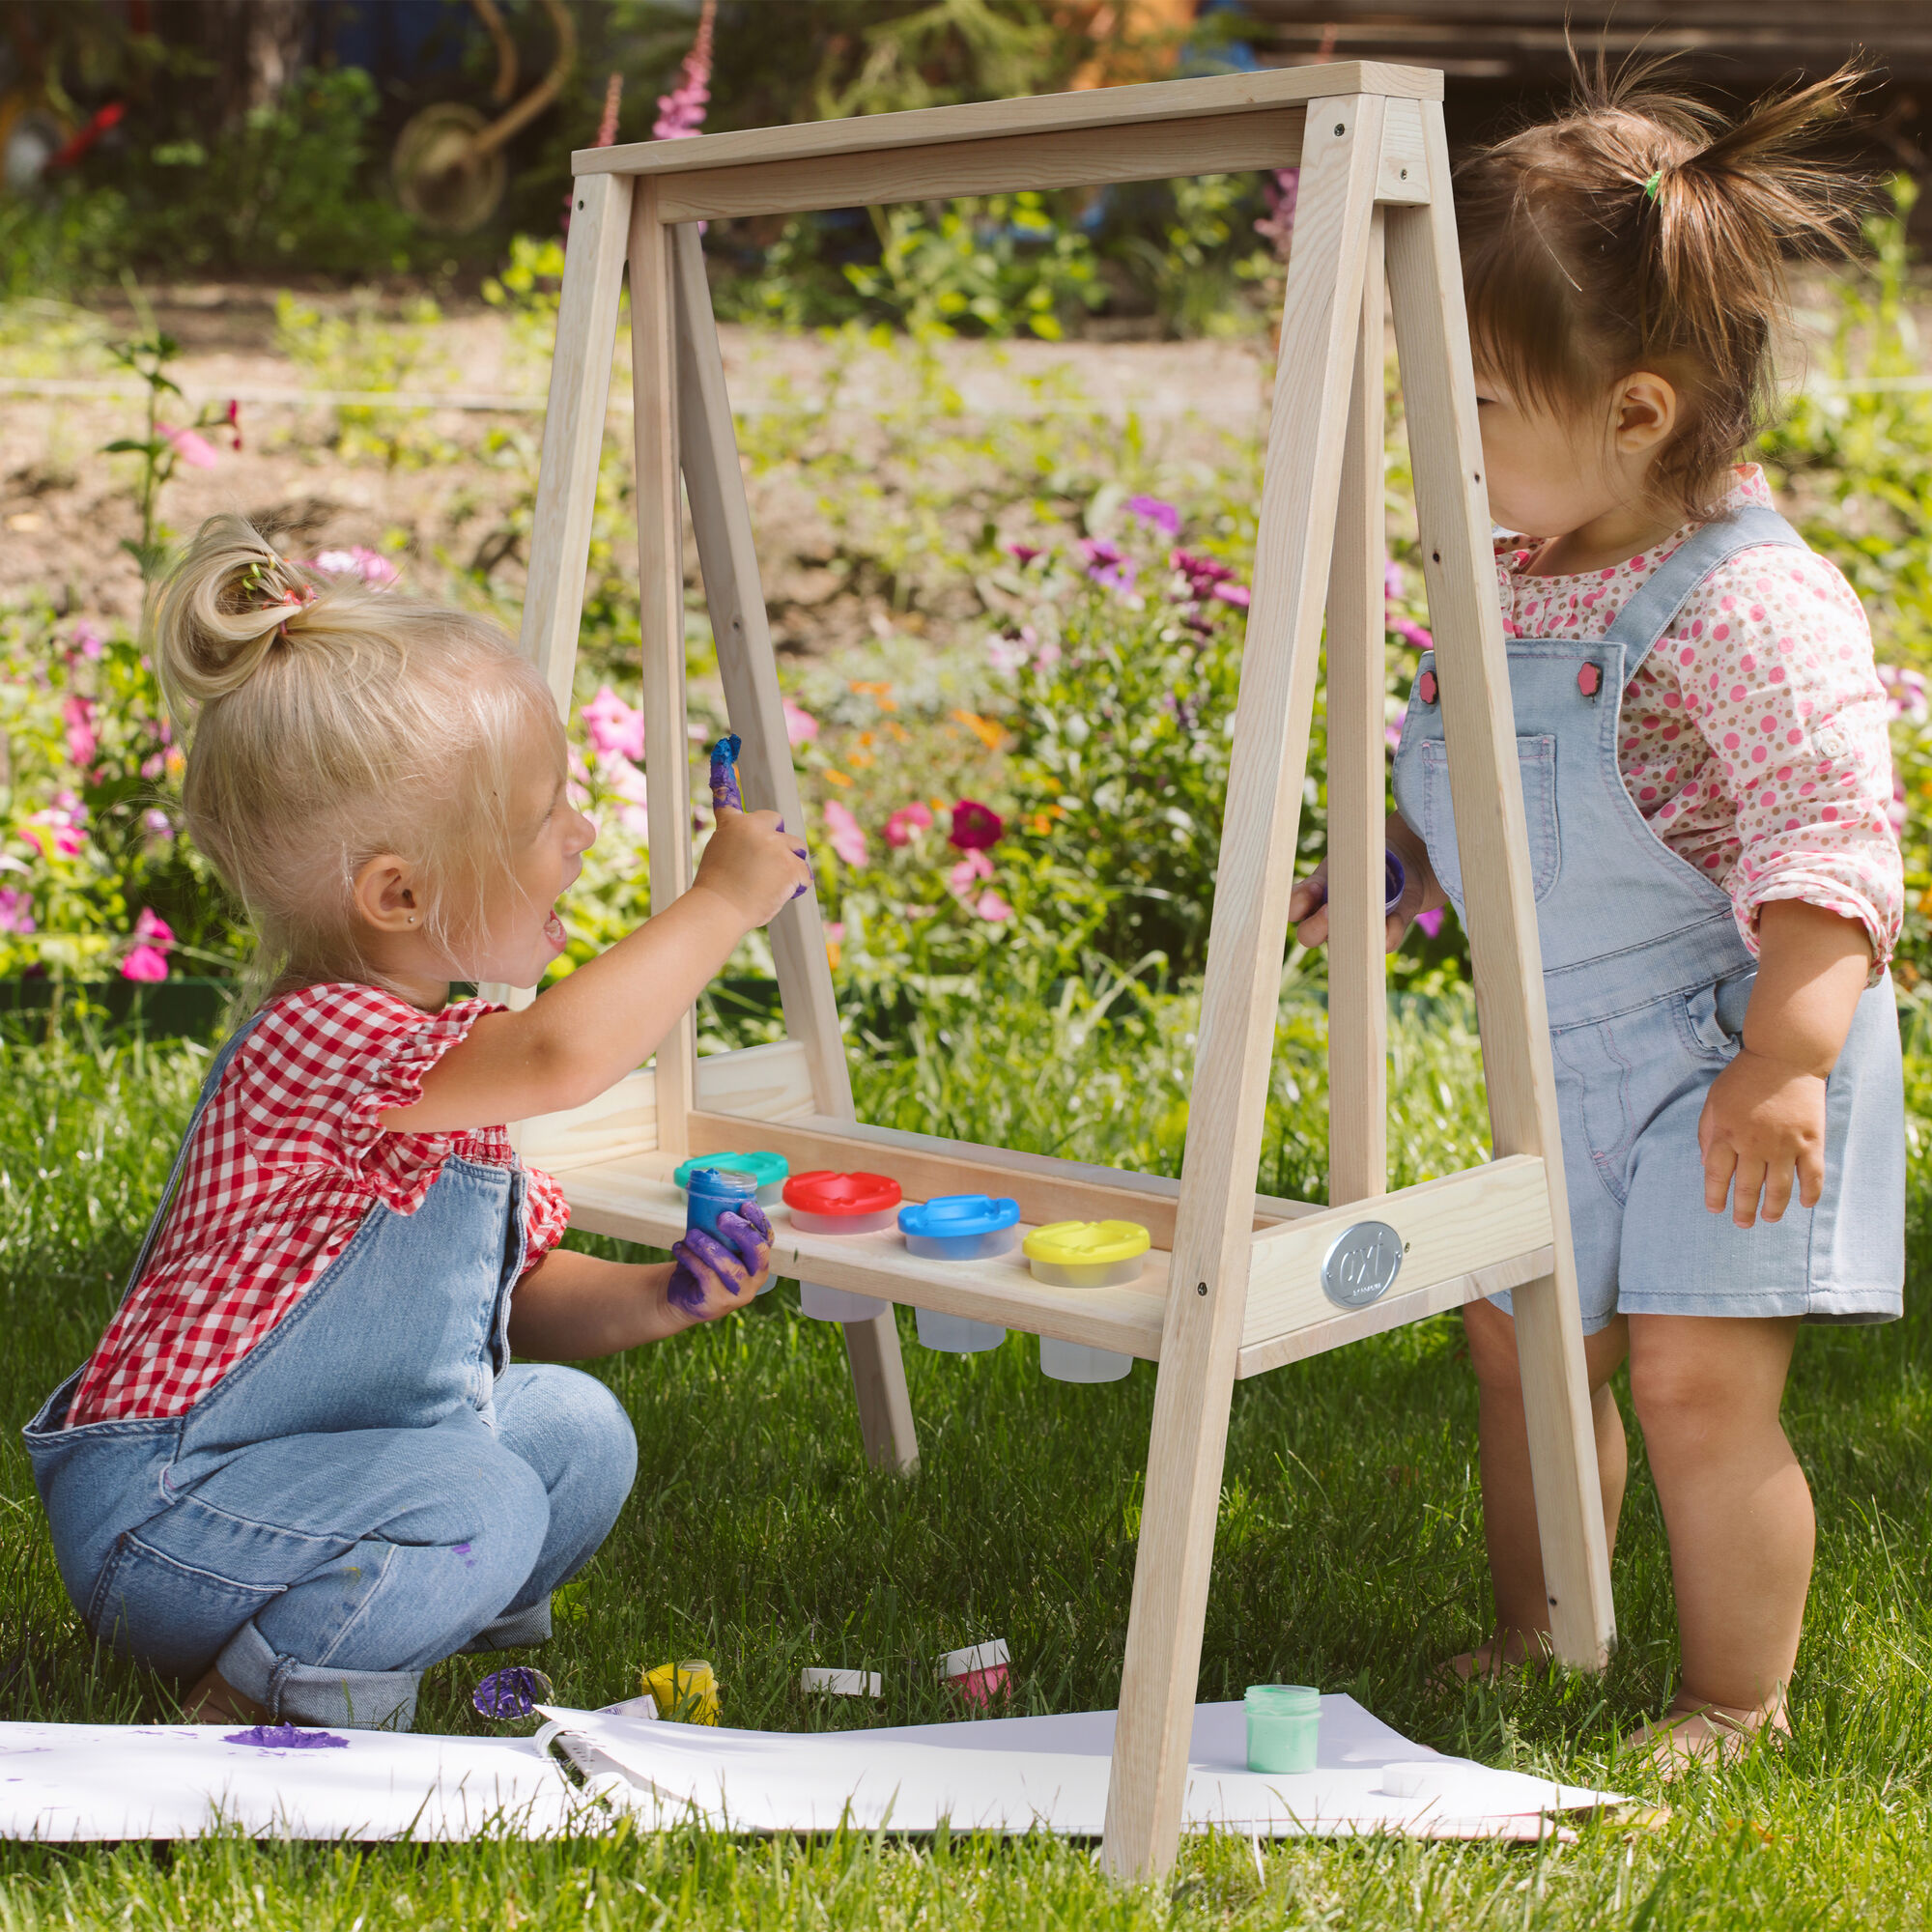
[58, 245]
[529, 290]
[1199, 263]
[360, 349]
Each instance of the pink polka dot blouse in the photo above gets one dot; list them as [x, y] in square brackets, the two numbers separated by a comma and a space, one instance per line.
[1755, 739]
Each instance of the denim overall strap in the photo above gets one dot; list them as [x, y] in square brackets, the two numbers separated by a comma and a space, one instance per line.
[1645, 619]
[222, 1061]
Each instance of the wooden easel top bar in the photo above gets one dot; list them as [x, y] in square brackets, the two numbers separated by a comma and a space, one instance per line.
[1035, 114]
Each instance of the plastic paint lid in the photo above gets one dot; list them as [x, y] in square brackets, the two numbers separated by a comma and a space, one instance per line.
[823, 1192]
[764, 1167]
[950, 1216]
[1086, 1243]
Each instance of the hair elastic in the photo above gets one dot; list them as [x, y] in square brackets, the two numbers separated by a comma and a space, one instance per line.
[1651, 186]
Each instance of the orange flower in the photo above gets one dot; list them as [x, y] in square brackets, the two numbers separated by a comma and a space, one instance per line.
[836, 777]
[880, 694]
[985, 730]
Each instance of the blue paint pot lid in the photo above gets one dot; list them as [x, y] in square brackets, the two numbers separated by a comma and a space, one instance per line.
[766, 1169]
[958, 1215]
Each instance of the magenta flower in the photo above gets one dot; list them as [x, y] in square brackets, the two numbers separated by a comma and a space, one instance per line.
[801, 727]
[1159, 512]
[1205, 574]
[77, 714]
[193, 448]
[1108, 564]
[1411, 634]
[991, 907]
[846, 838]
[359, 560]
[144, 962]
[154, 930]
[1431, 922]
[233, 420]
[16, 911]
[907, 823]
[54, 831]
[1904, 692]
[974, 826]
[681, 111]
[1235, 594]
[612, 725]
[1024, 553]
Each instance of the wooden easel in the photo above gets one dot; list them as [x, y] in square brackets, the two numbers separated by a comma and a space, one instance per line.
[1237, 1284]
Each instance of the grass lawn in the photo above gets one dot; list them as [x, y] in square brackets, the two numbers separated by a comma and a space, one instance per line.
[1349, 1554]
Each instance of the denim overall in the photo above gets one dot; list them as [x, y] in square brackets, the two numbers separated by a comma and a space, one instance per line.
[1647, 981]
[369, 1488]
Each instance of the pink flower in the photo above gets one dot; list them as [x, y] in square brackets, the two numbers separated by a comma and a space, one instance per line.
[1898, 810]
[1431, 922]
[1411, 634]
[151, 927]
[1024, 553]
[1156, 511]
[155, 822]
[619, 775]
[834, 930]
[846, 838]
[1278, 224]
[612, 725]
[77, 714]
[991, 907]
[16, 911]
[193, 448]
[613, 100]
[1108, 563]
[1904, 692]
[87, 640]
[801, 727]
[907, 823]
[359, 560]
[968, 874]
[974, 825]
[681, 111]
[154, 767]
[54, 832]
[144, 962]
[1393, 583]
[1235, 594]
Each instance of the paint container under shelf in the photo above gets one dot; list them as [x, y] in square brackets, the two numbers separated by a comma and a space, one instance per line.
[768, 1170]
[960, 1228]
[815, 1681]
[1086, 1254]
[978, 1673]
[825, 1203]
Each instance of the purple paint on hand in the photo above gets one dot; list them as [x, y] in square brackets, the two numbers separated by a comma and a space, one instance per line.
[512, 1693]
[287, 1737]
[724, 793]
[749, 1234]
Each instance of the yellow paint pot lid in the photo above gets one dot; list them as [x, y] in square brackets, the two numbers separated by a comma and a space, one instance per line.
[1086, 1243]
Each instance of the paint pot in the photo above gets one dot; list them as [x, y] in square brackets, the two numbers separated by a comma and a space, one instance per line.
[815, 1681]
[1087, 1254]
[1075, 1362]
[960, 1228]
[1283, 1728]
[768, 1170]
[825, 1203]
[980, 1673]
[710, 1191]
[1395, 879]
[686, 1692]
[512, 1693]
[1425, 1778]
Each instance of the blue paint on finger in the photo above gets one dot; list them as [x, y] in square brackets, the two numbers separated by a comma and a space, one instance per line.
[724, 793]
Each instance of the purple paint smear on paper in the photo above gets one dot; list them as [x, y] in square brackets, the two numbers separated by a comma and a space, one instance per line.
[724, 793]
[287, 1737]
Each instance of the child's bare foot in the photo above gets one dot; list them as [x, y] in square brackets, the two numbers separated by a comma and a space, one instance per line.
[1506, 1655]
[1693, 1735]
[216, 1701]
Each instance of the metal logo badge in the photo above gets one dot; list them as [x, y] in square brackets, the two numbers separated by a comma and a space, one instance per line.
[1361, 1264]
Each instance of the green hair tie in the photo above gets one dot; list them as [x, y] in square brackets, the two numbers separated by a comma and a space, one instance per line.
[1651, 186]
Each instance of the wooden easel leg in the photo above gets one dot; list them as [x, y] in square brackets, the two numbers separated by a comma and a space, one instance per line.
[1452, 506]
[1208, 1299]
[722, 519]
[573, 440]
[660, 623]
[1358, 787]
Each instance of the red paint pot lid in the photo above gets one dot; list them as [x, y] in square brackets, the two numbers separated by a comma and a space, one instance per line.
[823, 1192]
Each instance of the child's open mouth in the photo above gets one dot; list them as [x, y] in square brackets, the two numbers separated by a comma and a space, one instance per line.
[553, 929]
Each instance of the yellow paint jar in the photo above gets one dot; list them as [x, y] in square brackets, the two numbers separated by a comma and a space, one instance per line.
[686, 1692]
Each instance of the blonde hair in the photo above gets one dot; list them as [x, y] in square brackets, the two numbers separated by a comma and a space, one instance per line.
[1637, 230]
[328, 723]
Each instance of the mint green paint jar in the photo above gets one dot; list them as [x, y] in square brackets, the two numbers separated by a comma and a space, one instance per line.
[1284, 1720]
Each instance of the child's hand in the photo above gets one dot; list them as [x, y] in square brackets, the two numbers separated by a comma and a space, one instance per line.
[1308, 903]
[754, 864]
[716, 1273]
[1763, 1126]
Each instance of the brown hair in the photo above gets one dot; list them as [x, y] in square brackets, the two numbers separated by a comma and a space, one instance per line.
[1637, 231]
[332, 722]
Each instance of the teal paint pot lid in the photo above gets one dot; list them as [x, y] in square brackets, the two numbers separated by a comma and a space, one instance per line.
[958, 1216]
[766, 1169]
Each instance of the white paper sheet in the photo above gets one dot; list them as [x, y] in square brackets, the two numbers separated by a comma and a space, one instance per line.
[64, 1783]
[1018, 1774]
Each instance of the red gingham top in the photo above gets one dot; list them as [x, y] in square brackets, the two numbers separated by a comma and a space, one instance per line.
[288, 1160]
